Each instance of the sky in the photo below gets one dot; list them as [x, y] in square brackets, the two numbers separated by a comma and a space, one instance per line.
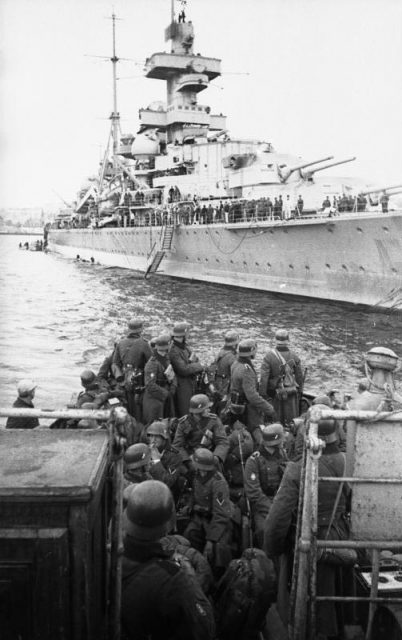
[324, 78]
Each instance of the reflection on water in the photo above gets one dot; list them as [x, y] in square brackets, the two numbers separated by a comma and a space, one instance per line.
[59, 317]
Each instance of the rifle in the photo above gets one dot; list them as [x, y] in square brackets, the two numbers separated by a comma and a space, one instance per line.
[247, 501]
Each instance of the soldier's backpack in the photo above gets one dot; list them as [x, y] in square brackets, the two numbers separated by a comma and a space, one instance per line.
[288, 380]
[244, 595]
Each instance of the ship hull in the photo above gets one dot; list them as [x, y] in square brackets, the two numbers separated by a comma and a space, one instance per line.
[354, 258]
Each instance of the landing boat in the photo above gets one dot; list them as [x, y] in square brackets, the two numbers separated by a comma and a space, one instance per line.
[186, 199]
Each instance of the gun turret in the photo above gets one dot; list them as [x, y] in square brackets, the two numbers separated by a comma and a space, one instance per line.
[308, 174]
[285, 175]
[379, 190]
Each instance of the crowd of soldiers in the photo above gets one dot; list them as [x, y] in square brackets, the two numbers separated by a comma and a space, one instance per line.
[208, 448]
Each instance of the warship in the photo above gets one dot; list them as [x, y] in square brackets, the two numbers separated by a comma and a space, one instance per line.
[184, 198]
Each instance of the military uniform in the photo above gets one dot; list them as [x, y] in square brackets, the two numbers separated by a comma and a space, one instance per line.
[208, 433]
[263, 473]
[158, 396]
[211, 516]
[281, 519]
[167, 470]
[130, 356]
[224, 361]
[96, 392]
[287, 406]
[244, 385]
[233, 470]
[186, 372]
[160, 599]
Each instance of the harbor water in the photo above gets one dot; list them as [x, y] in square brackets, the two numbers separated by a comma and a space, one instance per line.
[61, 316]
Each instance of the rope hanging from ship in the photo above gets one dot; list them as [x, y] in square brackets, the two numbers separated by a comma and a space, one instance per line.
[228, 253]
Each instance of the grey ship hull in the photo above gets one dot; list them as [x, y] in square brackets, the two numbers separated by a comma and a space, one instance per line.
[351, 258]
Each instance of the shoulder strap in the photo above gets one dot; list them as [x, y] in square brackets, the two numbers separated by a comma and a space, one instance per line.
[279, 356]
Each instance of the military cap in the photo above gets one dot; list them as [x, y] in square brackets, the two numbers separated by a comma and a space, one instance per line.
[322, 400]
[150, 510]
[231, 337]
[87, 376]
[180, 329]
[158, 428]
[135, 324]
[162, 341]
[137, 456]
[272, 434]
[282, 336]
[247, 347]
[199, 403]
[25, 387]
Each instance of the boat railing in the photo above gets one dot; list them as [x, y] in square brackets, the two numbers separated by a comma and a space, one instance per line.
[187, 212]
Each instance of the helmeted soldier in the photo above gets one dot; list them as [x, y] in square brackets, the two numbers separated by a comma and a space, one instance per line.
[209, 529]
[160, 383]
[263, 474]
[127, 426]
[26, 393]
[380, 394]
[241, 446]
[200, 428]
[160, 598]
[165, 460]
[281, 378]
[331, 523]
[186, 367]
[244, 390]
[96, 390]
[224, 361]
[131, 355]
[137, 460]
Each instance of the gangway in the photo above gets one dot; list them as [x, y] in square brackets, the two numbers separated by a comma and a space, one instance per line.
[374, 471]
[165, 245]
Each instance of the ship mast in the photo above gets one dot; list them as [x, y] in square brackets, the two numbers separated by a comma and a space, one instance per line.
[115, 116]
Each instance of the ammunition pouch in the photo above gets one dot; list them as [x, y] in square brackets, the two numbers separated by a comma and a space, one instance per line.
[237, 403]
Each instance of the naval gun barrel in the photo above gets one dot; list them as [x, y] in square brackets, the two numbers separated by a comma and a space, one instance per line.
[297, 167]
[327, 166]
[395, 186]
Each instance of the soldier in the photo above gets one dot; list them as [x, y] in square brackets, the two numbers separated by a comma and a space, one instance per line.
[263, 474]
[331, 523]
[127, 426]
[281, 378]
[200, 428]
[186, 367]
[26, 393]
[96, 390]
[160, 383]
[384, 199]
[137, 461]
[165, 459]
[209, 529]
[244, 395]
[160, 598]
[241, 446]
[223, 363]
[131, 355]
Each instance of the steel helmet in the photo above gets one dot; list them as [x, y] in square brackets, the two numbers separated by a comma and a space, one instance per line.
[162, 342]
[327, 430]
[247, 348]
[204, 460]
[150, 510]
[282, 336]
[231, 338]
[381, 358]
[180, 330]
[87, 376]
[158, 429]
[272, 434]
[136, 324]
[199, 403]
[136, 456]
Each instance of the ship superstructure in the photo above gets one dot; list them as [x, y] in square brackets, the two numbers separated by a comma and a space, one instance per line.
[182, 195]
